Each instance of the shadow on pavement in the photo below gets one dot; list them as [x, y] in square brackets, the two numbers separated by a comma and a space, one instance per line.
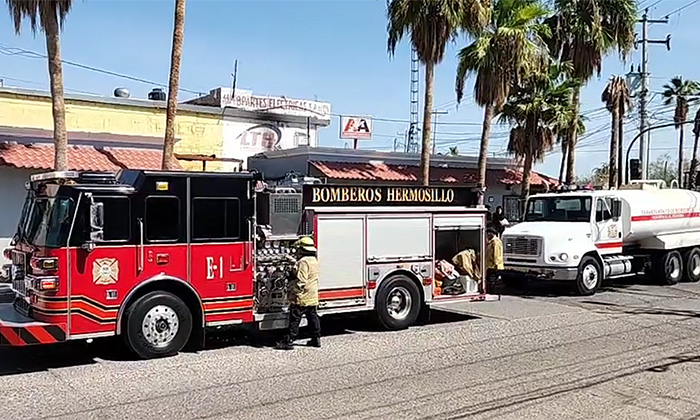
[14, 361]
[542, 288]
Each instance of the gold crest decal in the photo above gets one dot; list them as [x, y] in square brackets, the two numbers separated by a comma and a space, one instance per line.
[105, 271]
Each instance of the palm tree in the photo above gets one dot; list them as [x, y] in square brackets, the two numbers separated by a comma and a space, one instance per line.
[537, 112]
[49, 16]
[583, 32]
[617, 99]
[694, 161]
[569, 118]
[431, 24]
[679, 90]
[509, 46]
[171, 111]
[454, 151]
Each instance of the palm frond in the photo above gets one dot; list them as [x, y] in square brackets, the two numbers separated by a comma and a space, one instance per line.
[37, 11]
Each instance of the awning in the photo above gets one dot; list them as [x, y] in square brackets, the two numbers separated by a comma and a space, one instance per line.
[80, 158]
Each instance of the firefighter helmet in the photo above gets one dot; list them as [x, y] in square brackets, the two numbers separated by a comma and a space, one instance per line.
[306, 243]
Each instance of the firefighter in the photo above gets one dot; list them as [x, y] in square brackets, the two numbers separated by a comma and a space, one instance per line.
[494, 254]
[303, 296]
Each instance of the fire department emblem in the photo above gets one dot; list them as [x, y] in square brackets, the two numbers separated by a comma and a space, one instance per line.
[105, 271]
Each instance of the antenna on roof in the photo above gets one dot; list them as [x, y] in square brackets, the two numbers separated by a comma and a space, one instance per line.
[234, 75]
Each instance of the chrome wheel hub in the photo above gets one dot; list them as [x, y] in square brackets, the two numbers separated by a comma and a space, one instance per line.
[398, 303]
[160, 326]
[589, 276]
[695, 265]
[673, 268]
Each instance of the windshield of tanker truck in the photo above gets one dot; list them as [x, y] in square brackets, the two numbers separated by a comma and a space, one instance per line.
[558, 209]
[47, 222]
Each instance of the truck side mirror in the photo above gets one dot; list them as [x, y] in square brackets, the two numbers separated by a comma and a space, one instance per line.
[616, 209]
[96, 222]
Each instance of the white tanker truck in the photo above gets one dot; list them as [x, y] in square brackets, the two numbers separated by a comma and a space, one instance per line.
[587, 236]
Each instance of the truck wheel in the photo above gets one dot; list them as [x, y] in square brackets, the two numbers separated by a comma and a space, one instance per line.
[158, 324]
[398, 303]
[691, 259]
[590, 276]
[669, 268]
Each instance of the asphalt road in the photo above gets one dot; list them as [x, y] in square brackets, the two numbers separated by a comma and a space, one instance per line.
[630, 352]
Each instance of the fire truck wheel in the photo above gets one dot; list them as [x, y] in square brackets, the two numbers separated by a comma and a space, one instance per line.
[669, 267]
[398, 303]
[692, 265]
[590, 276]
[158, 324]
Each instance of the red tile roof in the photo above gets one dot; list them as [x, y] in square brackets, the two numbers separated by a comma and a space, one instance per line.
[354, 171]
[81, 158]
[132, 158]
[513, 177]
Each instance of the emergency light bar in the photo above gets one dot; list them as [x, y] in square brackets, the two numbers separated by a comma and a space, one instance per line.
[54, 175]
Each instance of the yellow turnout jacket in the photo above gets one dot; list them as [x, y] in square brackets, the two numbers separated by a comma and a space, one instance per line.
[304, 287]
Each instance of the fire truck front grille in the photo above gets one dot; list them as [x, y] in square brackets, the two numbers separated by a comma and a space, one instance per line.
[285, 205]
[18, 272]
[522, 246]
[22, 306]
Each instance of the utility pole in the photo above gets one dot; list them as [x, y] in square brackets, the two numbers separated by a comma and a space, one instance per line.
[436, 113]
[415, 90]
[644, 94]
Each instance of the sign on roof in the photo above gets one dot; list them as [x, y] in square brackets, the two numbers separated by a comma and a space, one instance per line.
[274, 104]
[355, 128]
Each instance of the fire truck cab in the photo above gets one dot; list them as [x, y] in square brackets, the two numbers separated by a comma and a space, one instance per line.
[159, 257]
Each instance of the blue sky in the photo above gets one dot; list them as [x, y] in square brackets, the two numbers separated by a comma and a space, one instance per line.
[333, 50]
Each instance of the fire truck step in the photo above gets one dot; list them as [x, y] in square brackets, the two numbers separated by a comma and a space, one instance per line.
[17, 330]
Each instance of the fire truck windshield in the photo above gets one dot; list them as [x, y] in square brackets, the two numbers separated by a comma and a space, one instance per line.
[559, 209]
[47, 221]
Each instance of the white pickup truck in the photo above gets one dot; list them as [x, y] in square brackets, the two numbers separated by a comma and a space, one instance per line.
[584, 237]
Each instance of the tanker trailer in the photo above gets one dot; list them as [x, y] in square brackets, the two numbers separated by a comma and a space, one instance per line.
[585, 237]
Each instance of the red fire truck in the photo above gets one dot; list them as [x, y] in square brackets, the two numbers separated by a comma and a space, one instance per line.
[160, 257]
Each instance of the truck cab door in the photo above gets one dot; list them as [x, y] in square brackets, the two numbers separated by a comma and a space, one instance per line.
[608, 226]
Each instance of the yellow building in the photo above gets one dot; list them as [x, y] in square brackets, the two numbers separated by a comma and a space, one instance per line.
[198, 129]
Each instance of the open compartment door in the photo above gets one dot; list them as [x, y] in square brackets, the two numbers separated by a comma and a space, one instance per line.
[459, 257]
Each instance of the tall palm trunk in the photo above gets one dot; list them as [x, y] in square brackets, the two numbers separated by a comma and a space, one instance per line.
[527, 171]
[427, 120]
[614, 141]
[175, 59]
[620, 145]
[483, 152]
[58, 107]
[680, 157]
[564, 154]
[694, 163]
[573, 137]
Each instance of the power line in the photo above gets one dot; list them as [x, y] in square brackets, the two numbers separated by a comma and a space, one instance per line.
[7, 50]
[687, 5]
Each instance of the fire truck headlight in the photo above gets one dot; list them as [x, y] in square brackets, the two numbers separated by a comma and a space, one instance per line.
[48, 284]
[564, 256]
[44, 263]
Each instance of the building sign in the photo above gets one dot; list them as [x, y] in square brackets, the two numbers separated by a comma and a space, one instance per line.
[355, 128]
[342, 195]
[242, 139]
[274, 104]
